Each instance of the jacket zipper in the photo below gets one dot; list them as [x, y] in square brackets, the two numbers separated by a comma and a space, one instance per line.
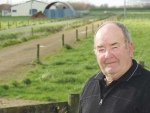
[102, 100]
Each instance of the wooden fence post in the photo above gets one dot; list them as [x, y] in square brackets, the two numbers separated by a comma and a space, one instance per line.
[76, 35]
[98, 26]
[63, 43]
[8, 24]
[38, 53]
[92, 28]
[32, 31]
[86, 31]
[73, 103]
[16, 24]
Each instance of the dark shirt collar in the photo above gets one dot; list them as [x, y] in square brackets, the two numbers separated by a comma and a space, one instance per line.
[134, 70]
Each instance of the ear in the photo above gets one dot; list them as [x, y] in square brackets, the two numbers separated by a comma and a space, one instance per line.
[131, 48]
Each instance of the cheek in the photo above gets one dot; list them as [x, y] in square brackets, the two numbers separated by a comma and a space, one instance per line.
[119, 54]
[122, 55]
[100, 58]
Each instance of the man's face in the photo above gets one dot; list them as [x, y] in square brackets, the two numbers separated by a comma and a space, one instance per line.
[113, 55]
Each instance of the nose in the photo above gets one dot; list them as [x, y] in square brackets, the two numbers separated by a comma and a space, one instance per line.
[108, 54]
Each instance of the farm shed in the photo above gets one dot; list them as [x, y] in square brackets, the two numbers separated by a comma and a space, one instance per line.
[24, 9]
[59, 9]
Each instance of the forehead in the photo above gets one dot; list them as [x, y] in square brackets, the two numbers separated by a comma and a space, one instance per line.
[109, 33]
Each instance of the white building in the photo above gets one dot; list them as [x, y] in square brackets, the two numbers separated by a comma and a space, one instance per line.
[6, 13]
[24, 9]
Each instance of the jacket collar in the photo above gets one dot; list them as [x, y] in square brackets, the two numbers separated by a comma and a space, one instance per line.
[134, 70]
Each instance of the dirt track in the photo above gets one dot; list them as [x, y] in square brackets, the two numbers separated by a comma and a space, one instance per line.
[16, 59]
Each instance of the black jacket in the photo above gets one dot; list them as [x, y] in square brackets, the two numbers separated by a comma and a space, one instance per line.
[129, 94]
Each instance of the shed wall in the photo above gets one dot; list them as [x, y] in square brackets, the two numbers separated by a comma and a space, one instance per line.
[24, 9]
[58, 13]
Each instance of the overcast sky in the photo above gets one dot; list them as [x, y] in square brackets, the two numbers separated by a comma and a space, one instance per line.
[94, 2]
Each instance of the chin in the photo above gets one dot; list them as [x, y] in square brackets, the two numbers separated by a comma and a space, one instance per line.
[111, 71]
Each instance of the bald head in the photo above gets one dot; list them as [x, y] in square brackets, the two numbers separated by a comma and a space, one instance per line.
[113, 26]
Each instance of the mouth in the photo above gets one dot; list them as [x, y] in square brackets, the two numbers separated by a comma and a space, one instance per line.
[111, 63]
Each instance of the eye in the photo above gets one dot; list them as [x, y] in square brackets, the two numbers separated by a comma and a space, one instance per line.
[101, 50]
[115, 47]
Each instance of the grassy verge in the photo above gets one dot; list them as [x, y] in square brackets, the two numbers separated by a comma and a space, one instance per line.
[60, 74]
[8, 39]
[7, 22]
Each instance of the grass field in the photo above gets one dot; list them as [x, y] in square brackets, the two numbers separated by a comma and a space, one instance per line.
[140, 34]
[64, 72]
[67, 70]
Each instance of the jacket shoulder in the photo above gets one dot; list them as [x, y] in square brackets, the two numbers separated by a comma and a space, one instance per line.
[92, 79]
[91, 87]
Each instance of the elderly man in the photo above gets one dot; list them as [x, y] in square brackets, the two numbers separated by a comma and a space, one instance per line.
[122, 85]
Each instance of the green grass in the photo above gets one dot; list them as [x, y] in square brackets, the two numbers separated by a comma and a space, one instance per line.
[60, 74]
[140, 35]
[140, 13]
[121, 9]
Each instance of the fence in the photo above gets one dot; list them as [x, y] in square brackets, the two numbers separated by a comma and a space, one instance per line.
[26, 22]
[57, 107]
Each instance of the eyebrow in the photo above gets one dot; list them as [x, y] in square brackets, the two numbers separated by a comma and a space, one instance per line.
[115, 43]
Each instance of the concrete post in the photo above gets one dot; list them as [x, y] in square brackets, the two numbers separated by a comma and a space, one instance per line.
[73, 103]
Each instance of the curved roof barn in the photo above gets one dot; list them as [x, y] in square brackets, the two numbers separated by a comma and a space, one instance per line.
[53, 10]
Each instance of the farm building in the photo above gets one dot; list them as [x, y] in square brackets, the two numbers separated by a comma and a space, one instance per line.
[59, 9]
[53, 10]
[24, 9]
